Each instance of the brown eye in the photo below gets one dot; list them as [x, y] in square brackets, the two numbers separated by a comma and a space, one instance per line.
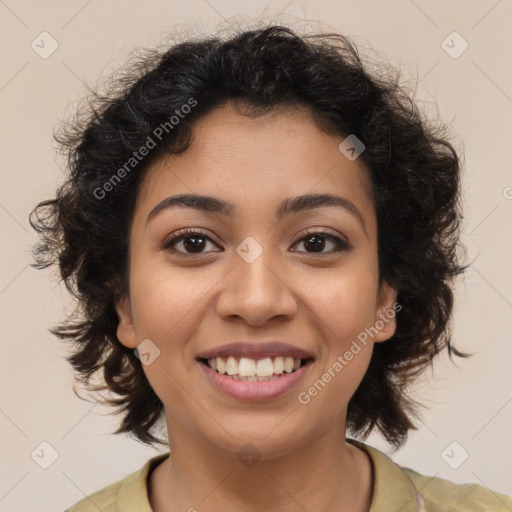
[193, 242]
[190, 242]
[315, 242]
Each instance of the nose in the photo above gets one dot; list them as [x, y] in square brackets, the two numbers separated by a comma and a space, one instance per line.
[256, 291]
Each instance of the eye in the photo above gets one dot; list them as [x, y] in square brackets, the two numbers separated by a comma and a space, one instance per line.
[191, 240]
[315, 241]
[194, 242]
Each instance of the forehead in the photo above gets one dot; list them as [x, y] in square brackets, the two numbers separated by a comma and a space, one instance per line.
[254, 162]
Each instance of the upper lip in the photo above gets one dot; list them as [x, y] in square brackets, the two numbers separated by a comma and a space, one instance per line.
[256, 350]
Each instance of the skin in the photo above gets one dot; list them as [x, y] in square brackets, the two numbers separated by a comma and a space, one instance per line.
[319, 302]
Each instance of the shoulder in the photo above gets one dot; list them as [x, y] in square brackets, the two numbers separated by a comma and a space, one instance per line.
[442, 495]
[126, 495]
[105, 500]
[400, 488]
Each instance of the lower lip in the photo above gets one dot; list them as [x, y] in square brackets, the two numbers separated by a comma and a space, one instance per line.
[255, 391]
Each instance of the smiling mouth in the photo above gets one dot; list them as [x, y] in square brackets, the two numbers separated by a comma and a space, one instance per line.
[255, 370]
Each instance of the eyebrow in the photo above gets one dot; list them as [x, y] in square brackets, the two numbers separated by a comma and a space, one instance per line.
[289, 206]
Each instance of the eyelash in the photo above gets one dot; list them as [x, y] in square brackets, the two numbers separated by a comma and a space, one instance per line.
[182, 234]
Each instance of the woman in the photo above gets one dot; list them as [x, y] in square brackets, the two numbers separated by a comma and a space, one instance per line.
[261, 235]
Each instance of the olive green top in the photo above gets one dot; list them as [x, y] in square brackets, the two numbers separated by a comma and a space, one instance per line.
[396, 489]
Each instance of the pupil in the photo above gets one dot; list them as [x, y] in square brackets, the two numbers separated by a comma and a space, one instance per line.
[319, 244]
[197, 243]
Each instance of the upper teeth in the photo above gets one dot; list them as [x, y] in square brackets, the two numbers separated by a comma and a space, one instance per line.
[246, 367]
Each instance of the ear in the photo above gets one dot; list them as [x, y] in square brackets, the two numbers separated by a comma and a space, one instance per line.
[125, 327]
[387, 308]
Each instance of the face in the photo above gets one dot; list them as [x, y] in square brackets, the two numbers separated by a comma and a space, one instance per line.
[255, 273]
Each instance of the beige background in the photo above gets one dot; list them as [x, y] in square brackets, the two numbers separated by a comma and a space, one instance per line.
[470, 404]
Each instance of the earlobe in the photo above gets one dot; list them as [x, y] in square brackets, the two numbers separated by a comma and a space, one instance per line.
[387, 308]
[125, 327]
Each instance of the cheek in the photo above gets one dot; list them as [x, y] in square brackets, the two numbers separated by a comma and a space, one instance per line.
[168, 305]
[343, 309]
[165, 306]
[344, 305]
[165, 301]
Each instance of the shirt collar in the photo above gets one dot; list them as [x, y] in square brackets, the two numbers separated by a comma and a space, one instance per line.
[133, 492]
[392, 488]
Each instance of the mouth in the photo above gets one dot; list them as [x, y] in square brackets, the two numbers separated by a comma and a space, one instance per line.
[249, 371]
[255, 370]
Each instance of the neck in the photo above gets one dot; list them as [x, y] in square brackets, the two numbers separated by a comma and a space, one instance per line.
[327, 475]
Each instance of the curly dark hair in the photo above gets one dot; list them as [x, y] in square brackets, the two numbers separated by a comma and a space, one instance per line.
[415, 173]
